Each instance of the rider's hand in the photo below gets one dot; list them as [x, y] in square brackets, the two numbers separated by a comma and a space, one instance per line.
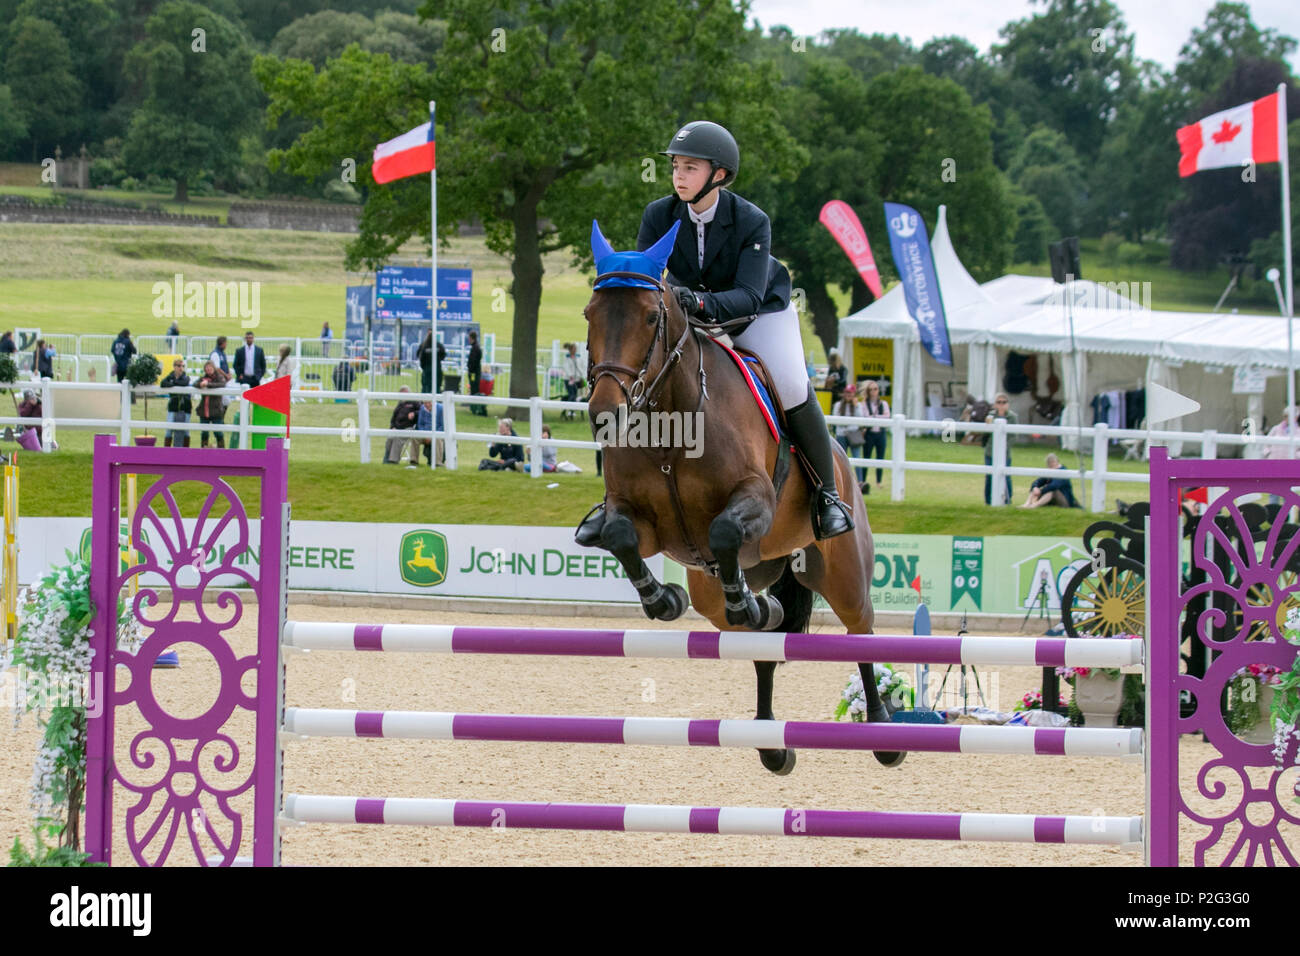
[689, 301]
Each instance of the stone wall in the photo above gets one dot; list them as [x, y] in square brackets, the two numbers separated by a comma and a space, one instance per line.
[20, 209]
[301, 217]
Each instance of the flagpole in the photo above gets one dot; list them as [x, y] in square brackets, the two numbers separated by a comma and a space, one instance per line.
[1287, 303]
[433, 284]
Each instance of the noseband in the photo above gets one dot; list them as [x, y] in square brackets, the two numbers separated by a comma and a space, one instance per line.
[637, 393]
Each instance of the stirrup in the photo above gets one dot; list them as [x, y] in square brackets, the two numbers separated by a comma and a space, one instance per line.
[587, 534]
[830, 515]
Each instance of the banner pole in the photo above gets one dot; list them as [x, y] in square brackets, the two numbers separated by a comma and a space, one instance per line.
[1284, 160]
[433, 282]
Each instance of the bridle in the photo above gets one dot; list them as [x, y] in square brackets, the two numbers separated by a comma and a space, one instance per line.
[637, 393]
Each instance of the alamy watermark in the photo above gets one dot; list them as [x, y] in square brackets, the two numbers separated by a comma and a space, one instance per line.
[179, 299]
[629, 429]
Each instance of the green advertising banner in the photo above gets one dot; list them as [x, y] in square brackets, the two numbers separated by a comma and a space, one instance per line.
[967, 570]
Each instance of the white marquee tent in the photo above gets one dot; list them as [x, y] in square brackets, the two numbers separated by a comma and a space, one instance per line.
[1121, 345]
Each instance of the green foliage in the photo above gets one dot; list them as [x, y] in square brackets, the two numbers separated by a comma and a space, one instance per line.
[13, 121]
[143, 370]
[40, 74]
[1046, 167]
[8, 370]
[44, 854]
[1229, 36]
[1033, 229]
[1109, 248]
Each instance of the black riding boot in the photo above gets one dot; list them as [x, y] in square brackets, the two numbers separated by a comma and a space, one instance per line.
[831, 516]
[589, 528]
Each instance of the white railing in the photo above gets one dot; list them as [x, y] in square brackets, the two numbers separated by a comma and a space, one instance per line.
[897, 464]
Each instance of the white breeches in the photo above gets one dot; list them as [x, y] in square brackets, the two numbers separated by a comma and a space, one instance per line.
[774, 337]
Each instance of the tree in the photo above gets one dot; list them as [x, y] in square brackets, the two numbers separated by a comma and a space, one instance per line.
[1078, 58]
[39, 72]
[1046, 168]
[549, 115]
[1033, 228]
[321, 36]
[1229, 36]
[200, 96]
[13, 125]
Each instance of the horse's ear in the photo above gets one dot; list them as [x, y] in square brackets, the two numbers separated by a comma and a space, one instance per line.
[661, 250]
[600, 247]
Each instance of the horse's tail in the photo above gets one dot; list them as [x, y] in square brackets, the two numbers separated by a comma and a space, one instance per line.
[796, 600]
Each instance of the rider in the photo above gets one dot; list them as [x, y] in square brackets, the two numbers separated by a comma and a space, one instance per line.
[721, 269]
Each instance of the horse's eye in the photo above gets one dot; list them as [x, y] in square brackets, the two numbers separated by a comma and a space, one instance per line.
[652, 317]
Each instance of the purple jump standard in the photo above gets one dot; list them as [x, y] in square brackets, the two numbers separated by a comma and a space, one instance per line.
[651, 818]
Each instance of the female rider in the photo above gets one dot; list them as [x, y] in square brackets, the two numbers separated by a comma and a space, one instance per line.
[721, 269]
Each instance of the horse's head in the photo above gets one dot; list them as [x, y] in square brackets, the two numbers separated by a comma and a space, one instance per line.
[627, 317]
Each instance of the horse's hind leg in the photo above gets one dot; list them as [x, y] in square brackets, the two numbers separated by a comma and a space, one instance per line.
[747, 517]
[661, 602]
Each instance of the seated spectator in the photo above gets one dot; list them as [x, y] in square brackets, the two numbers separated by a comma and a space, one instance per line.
[511, 455]
[1282, 429]
[30, 407]
[425, 423]
[548, 452]
[1051, 491]
[405, 415]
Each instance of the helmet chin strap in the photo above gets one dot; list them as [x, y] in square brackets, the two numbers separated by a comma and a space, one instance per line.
[710, 185]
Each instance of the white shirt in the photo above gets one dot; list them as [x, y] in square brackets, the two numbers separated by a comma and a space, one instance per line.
[248, 360]
[701, 219]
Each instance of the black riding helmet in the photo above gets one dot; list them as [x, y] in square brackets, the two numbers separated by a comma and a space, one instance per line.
[705, 140]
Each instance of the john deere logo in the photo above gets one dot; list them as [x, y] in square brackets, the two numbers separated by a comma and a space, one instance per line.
[83, 546]
[423, 560]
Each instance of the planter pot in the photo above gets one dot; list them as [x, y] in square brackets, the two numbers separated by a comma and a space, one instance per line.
[1099, 698]
[146, 440]
[1262, 732]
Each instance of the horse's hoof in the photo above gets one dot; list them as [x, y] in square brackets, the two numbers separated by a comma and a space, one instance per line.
[671, 605]
[890, 758]
[780, 762]
[748, 616]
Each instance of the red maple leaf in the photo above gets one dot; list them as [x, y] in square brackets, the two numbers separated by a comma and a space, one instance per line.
[1226, 133]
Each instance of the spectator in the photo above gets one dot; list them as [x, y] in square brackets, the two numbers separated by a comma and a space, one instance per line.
[511, 454]
[425, 356]
[405, 415]
[250, 362]
[573, 376]
[212, 410]
[851, 437]
[287, 366]
[474, 369]
[43, 360]
[1001, 409]
[173, 334]
[874, 437]
[123, 348]
[428, 415]
[7, 346]
[442, 357]
[327, 337]
[1051, 491]
[548, 451]
[1283, 429]
[178, 405]
[30, 407]
[837, 376]
[344, 375]
[218, 356]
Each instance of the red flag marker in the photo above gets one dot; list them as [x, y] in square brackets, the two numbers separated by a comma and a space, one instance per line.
[273, 395]
[916, 584]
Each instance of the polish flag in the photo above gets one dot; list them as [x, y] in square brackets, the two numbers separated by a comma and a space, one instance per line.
[408, 155]
[1229, 138]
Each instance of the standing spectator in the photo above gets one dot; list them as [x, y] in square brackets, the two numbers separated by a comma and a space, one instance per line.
[837, 376]
[850, 437]
[874, 439]
[30, 407]
[173, 334]
[405, 415]
[1001, 409]
[474, 369]
[572, 375]
[123, 348]
[7, 346]
[1051, 491]
[178, 405]
[442, 357]
[327, 337]
[218, 356]
[250, 362]
[43, 360]
[425, 356]
[212, 411]
[344, 375]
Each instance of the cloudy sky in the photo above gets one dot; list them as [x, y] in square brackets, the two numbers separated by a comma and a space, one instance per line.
[1160, 28]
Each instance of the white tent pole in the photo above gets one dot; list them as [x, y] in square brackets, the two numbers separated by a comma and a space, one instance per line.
[1284, 159]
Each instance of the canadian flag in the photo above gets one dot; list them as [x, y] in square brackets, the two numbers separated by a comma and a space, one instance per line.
[1229, 138]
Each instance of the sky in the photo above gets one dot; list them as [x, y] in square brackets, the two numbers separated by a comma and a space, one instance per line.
[1159, 27]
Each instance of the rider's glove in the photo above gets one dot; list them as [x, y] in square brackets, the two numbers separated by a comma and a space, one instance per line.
[690, 302]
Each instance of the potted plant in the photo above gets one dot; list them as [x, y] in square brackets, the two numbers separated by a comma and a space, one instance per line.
[1285, 714]
[1250, 702]
[144, 369]
[1033, 700]
[51, 658]
[895, 688]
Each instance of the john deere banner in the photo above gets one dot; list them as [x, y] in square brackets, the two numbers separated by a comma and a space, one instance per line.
[1007, 575]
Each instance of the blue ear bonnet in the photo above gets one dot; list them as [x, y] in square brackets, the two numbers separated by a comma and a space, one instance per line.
[650, 263]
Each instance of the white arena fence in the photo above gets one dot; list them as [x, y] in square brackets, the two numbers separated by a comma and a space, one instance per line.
[358, 430]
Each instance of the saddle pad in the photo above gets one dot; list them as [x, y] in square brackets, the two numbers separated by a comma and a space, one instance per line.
[756, 388]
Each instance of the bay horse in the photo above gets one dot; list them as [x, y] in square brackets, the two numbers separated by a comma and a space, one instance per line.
[717, 511]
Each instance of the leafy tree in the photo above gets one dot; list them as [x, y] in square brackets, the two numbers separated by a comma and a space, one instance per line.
[1046, 168]
[1078, 59]
[200, 96]
[1228, 37]
[318, 37]
[869, 56]
[549, 115]
[41, 79]
[1033, 229]
[13, 124]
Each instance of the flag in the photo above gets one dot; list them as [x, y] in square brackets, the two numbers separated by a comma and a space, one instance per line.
[1246, 133]
[843, 223]
[408, 155]
[274, 395]
[911, 247]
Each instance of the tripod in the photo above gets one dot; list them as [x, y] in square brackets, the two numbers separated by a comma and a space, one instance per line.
[962, 632]
[1051, 683]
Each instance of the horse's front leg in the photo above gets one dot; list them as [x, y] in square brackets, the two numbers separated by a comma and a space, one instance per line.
[661, 602]
[747, 517]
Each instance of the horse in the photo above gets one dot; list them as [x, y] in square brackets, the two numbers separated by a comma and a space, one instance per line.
[717, 511]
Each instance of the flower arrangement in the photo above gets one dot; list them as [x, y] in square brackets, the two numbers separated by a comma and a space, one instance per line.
[1034, 701]
[1286, 716]
[894, 686]
[1244, 695]
[1132, 710]
[52, 654]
